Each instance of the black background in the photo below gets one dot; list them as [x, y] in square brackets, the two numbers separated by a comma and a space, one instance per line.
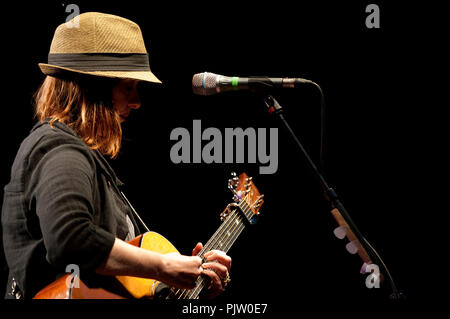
[378, 118]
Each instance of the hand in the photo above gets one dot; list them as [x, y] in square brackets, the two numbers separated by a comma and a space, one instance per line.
[180, 271]
[217, 270]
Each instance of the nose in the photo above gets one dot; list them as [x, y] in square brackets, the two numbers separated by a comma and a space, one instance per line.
[134, 102]
[134, 105]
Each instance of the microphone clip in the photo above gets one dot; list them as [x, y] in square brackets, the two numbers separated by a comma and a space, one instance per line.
[273, 107]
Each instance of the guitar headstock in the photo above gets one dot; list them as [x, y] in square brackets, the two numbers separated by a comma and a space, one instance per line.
[246, 194]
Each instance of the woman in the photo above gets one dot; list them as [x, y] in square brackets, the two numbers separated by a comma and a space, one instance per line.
[63, 204]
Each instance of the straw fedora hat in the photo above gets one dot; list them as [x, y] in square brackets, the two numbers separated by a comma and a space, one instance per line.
[101, 45]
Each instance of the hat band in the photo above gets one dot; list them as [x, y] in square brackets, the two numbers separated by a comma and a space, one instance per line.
[101, 61]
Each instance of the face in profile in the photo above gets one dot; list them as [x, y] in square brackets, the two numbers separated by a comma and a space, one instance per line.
[125, 97]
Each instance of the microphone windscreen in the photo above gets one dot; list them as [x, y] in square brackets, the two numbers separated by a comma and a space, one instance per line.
[204, 83]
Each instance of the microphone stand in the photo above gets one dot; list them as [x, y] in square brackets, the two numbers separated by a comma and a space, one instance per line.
[330, 195]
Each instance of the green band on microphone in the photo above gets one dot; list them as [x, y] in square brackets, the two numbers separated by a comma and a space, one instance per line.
[235, 82]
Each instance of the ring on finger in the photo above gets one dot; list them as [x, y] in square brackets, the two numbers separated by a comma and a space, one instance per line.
[227, 279]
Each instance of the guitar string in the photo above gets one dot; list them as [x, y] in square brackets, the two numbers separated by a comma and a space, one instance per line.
[180, 292]
[218, 237]
[228, 241]
[189, 294]
[211, 243]
[183, 293]
[238, 228]
[232, 235]
[229, 222]
[235, 222]
[196, 291]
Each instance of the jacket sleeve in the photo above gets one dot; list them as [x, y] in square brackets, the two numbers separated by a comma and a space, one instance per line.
[63, 198]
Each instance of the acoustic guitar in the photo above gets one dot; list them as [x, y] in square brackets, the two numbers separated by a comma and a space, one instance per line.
[243, 211]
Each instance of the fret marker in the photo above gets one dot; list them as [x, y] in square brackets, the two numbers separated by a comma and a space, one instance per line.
[228, 233]
[237, 222]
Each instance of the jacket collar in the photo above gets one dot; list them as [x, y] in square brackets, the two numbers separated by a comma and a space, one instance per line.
[104, 165]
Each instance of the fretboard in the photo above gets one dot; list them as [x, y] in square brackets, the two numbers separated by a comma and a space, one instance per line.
[223, 239]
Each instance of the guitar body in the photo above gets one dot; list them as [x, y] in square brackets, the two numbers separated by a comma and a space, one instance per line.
[118, 287]
[246, 206]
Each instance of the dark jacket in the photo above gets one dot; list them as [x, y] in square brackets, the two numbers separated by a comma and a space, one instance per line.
[62, 206]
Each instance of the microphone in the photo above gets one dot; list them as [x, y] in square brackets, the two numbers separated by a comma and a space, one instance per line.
[209, 83]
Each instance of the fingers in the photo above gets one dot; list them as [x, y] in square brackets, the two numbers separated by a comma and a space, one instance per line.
[214, 270]
[220, 257]
[219, 265]
[192, 262]
[218, 278]
[181, 271]
[216, 284]
[197, 249]
[193, 271]
[197, 264]
[185, 270]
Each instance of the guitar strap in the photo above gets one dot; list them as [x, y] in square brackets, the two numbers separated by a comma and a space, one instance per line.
[135, 212]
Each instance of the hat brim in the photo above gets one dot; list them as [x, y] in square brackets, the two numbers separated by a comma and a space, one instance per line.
[55, 70]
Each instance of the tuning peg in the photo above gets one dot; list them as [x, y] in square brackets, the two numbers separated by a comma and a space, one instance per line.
[232, 183]
[237, 196]
[340, 232]
[248, 179]
[255, 208]
[233, 180]
[257, 202]
[353, 246]
[363, 268]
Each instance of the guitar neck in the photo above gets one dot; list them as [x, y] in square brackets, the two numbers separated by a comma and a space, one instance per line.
[223, 239]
